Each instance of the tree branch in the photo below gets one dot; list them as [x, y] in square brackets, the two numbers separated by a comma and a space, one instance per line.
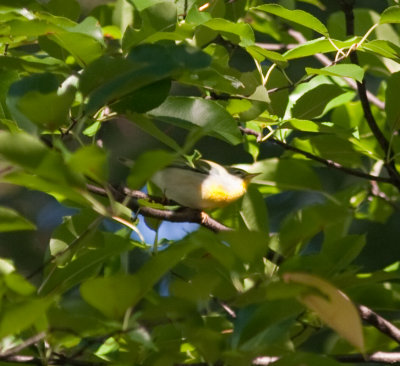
[389, 162]
[377, 357]
[383, 325]
[22, 359]
[328, 163]
[182, 215]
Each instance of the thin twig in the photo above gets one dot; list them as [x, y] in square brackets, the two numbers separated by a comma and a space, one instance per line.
[328, 163]
[376, 192]
[377, 357]
[70, 127]
[23, 359]
[327, 62]
[323, 59]
[6, 170]
[32, 340]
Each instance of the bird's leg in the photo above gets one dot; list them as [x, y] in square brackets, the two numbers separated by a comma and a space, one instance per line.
[204, 217]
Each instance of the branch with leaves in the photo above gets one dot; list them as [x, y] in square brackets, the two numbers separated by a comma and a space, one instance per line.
[389, 162]
[328, 163]
[185, 75]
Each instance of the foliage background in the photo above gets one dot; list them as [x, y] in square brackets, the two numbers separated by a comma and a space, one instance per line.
[86, 88]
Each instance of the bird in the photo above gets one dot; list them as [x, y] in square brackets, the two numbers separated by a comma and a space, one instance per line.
[202, 185]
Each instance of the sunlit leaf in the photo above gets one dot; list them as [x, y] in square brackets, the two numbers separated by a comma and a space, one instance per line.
[332, 306]
[390, 15]
[344, 70]
[296, 16]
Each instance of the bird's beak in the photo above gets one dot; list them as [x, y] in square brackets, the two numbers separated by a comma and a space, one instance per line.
[250, 176]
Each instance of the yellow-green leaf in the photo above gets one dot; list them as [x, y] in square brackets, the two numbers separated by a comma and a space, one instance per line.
[332, 306]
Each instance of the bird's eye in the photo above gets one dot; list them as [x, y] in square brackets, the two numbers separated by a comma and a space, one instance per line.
[236, 171]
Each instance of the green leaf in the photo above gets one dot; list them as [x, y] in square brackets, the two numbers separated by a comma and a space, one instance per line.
[83, 41]
[145, 66]
[392, 106]
[19, 317]
[70, 9]
[7, 78]
[343, 70]
[148, 126]
[146, 165]
[313, 103]
[344, 251]
[152, 271]
[144, 99]
[117, 84]
[260, 54]
[40, 100]
[316, 3]
[19, 284]
[383, 48]
[208, 115]
[211, 78]
[33, 64]
[52, 183]
[11, 125]
[390, 15]
[296, 16]
[31, 28]
[188, 57]
[11, 220]
[300, 226]
[275, 334]
[31, 154]
[91, 161]
[310, 126]
[22, 149]
[197, 17]
[253, 211]
[320, 45]
[132, 288]
[332, 306]
[330, 147]
[158, 17]
[111, 295]
[259, 326]
[86, 265]
[248, 246]
[283, 174]
[238, 33]
[309, 359]
[141, 5]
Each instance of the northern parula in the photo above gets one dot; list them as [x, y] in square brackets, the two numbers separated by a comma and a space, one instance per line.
[205, 185]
